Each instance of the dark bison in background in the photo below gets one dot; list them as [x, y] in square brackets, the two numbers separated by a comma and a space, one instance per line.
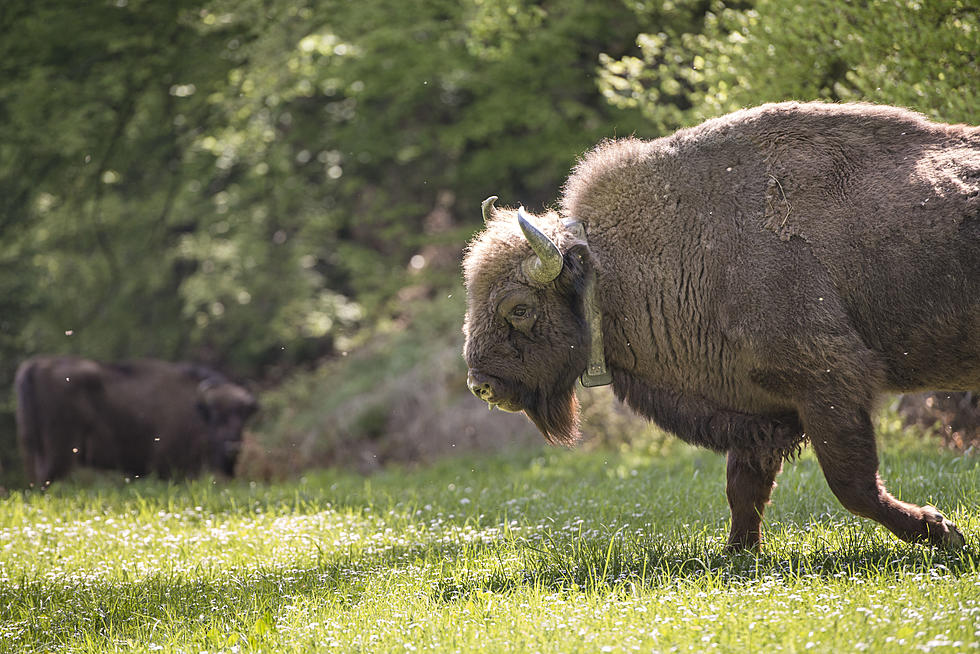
[138, 416]
[757, 281]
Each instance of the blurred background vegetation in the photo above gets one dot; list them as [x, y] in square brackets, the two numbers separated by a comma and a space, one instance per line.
[282, 189]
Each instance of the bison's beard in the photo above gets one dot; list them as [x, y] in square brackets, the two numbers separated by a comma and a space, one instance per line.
[556, 416]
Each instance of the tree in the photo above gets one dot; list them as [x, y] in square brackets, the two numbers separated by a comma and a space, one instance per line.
[245, 182]
[352, 120]
[95, 113]
[921, 55]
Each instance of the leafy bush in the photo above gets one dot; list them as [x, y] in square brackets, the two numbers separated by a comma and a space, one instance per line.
[920, 55]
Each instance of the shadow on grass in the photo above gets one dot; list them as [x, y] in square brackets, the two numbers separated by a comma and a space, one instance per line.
[242, 606]
[625, 563]
[47, 613]
[239, 607]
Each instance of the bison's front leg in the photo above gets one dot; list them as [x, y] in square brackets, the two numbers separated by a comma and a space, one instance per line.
[843, 439]
[751, 478]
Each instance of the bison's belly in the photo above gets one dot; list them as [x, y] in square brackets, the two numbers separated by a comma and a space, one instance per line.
[704, 422]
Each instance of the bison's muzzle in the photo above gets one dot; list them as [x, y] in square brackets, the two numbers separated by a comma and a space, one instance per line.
[488, 389]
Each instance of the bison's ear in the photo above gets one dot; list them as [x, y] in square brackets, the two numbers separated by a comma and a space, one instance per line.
[575, 271]
[488, 208]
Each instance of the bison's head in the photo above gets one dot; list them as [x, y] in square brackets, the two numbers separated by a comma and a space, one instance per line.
[225, 407]
[527, 339]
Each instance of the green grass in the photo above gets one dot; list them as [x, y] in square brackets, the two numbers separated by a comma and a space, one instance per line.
[550, 551]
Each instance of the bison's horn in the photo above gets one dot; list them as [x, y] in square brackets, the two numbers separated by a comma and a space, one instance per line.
[487, 206]
[548, 264]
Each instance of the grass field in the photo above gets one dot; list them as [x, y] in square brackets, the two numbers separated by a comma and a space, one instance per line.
[548, 551]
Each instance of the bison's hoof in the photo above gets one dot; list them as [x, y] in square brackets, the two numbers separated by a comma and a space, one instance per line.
[743, 543]
[941, 531]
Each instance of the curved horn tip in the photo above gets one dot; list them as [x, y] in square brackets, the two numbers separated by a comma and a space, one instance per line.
[531, 233]
[486, 206]
[524, 220]
[548, 262]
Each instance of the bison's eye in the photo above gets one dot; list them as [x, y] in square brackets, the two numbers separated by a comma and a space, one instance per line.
[522, 318]
[518, 310]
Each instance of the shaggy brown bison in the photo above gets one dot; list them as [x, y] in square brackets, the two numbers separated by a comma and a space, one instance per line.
[138, 416]
[756, 281]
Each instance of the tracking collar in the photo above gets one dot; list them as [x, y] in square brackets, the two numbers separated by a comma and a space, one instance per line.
[596, 373]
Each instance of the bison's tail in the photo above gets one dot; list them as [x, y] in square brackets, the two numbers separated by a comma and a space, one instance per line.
[28, 414]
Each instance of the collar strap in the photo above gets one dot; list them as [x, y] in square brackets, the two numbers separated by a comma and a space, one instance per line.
[596, 373]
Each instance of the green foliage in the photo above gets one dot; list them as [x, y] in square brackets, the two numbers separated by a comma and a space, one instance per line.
[90, 155]
[252, 183]
[555, 552]
[245, 183]
[920, 55]
[351, 120]
[311, 417]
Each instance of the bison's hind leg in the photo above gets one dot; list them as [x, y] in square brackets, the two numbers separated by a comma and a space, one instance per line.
[843, 439]
[751, 478]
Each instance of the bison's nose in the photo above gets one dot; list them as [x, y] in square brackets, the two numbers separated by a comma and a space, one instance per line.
[480, 387]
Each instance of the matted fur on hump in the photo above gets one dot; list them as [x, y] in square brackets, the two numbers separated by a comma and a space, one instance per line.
[608, 175]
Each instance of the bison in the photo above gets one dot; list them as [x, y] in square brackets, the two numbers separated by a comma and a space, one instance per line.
[137, 416]
[749, 284]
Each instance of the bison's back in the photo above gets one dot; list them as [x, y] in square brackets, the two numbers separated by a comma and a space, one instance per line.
[811, 226]
[889, 204]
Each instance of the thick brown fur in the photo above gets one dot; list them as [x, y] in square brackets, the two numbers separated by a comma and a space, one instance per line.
[138, 417]
[763, 275]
